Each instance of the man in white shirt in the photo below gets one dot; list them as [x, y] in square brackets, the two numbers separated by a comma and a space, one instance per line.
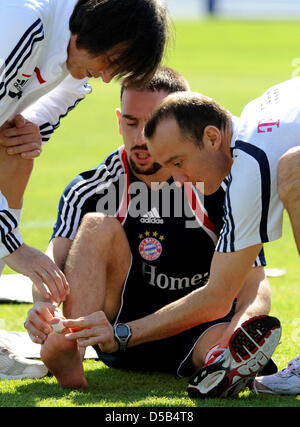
[200, 141]
[49, 50]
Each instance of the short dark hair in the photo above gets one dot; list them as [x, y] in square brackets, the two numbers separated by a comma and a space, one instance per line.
[192, 112]
[165, 78]
[142, 24]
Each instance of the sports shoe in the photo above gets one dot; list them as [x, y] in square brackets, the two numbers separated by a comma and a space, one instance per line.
[14, 367]
[286, 381]
[249, 349]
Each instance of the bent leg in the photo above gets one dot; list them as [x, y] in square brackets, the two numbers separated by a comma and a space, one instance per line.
[96, 267]
[288, 175]
[209, 339]
[96, 282]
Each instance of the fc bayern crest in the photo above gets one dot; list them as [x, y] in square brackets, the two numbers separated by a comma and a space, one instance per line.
[150, 248]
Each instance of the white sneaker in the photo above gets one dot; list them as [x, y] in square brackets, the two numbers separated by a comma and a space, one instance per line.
[15, 367]
[286, 381]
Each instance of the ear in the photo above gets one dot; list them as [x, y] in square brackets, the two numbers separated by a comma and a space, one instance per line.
[119, 115]
[212, 137]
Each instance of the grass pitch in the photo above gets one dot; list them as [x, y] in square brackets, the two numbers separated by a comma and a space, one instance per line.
[233, 62]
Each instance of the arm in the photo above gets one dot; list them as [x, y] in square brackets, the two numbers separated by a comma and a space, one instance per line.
[19, 54]
[10, 239]
[14, 175]
[25, 133]
[23, 32]
[40, 315]
[52, 107]
[57, 251]
[254, 299]
[212, 301]
[14, 171]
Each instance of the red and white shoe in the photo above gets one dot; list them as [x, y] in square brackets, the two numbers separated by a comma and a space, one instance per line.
[227, 372]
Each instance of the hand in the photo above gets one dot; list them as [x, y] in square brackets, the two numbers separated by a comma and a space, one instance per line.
[20, 136]
[96, 330]
[41, 270]
[38, 321]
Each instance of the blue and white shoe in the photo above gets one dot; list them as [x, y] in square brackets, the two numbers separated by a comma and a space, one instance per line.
[249, 350]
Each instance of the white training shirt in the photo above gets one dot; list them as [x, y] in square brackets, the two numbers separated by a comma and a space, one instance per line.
[34, 79]
[267, 128]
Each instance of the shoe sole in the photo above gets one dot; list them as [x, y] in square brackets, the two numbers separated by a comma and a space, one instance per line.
[21, 376]
[249, 350]
[291, 392]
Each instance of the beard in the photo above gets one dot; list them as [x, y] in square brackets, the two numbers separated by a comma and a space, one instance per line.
[139, 170]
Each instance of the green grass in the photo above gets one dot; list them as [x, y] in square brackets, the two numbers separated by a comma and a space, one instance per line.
[233, 62]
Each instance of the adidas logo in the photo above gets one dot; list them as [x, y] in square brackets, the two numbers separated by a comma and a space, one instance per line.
[152, 217]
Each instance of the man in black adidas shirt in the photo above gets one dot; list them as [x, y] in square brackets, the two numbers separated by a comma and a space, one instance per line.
[132, 245]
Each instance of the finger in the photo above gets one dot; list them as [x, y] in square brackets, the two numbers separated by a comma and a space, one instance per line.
[37, 320]
[44, 310]
[24, 148]
[64, 281]
[37, 333]
[77, 333]
[30, 155]
[58, 280]
[40, 285]
[89, 341]
[51, 285]
[76, 323]
[61, 282]
[55, 279]
[35, 330]
[81, 322]
[14, 131]
[18, 121]
[32, 137]
[36, 340]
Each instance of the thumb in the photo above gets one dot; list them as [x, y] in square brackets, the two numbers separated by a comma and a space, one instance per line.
[19, 121]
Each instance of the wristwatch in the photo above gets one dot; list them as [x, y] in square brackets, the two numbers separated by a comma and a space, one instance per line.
[122, 335]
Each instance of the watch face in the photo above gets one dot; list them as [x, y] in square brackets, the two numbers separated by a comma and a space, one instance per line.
[122, 331]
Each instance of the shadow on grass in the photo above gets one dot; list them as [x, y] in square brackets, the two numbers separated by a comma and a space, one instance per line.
[118, 388]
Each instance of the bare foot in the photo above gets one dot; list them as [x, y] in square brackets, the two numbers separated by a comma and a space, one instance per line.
[64, 361]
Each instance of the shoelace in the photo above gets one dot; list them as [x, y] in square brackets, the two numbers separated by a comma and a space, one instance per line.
[212, 354]
[292, 367]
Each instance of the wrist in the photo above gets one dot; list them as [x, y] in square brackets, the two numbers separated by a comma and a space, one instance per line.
[122, 334]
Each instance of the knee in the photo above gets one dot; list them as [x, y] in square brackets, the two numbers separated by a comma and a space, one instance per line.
[104, 227]
[288, 175]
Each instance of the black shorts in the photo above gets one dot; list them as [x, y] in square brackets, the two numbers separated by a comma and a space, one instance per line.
[173, 354]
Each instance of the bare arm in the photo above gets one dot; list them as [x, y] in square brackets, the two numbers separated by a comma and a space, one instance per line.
[255, 296]
[39, 316]
[14, 170]
[254, 299]
[57, 251]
